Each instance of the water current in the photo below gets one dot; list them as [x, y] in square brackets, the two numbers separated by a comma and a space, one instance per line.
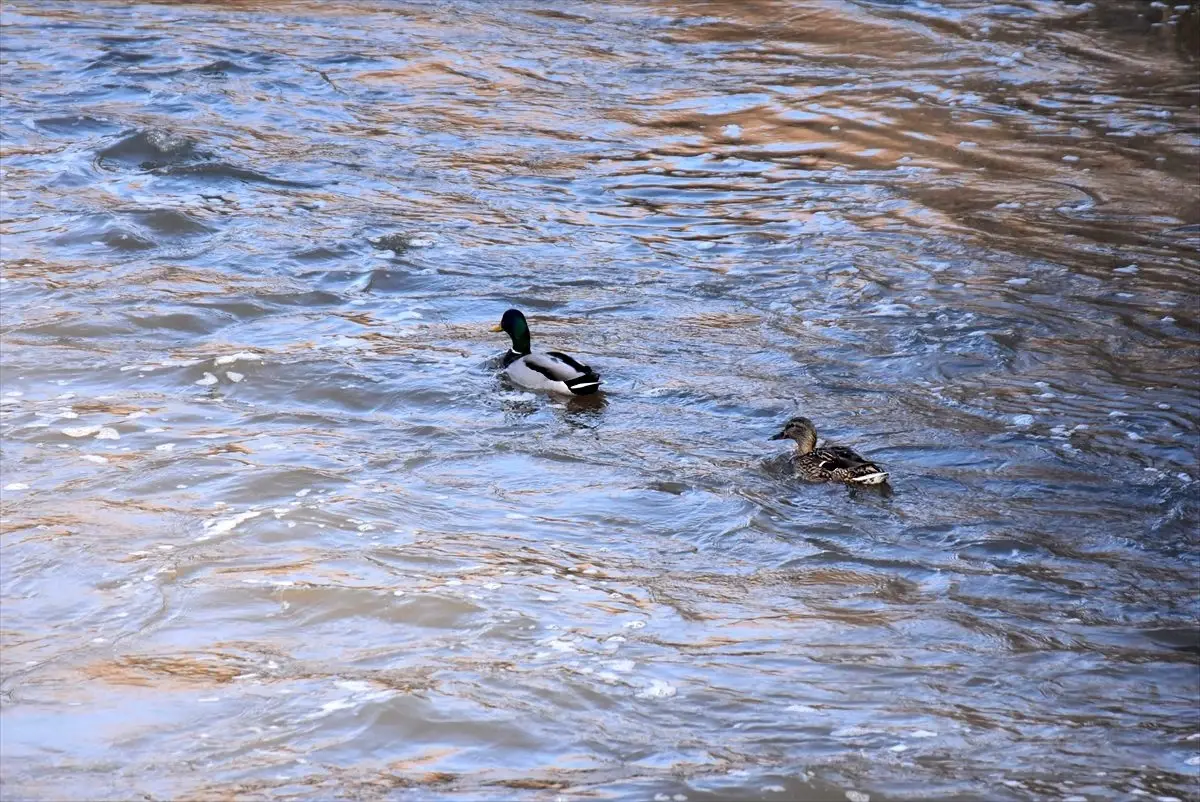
[273, 527]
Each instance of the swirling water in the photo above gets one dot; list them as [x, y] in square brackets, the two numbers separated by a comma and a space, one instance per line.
[273, 528]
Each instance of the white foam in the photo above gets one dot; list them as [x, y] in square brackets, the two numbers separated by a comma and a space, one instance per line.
[16, 486]
[108, 433]
[1023, 420]
[657, 689]
[634, 624]
[337, 704]
[207, 381]
[80, 431]
[858, 796]
[219, 526]
[95, 458]
[851, 732]
[234, 376]
[229, 359]
[167, 447]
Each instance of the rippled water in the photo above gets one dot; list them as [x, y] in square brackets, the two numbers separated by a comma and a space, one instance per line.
[274, 528]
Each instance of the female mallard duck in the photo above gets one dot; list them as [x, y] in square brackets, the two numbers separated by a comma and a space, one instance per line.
[542, 370]
[828, 463]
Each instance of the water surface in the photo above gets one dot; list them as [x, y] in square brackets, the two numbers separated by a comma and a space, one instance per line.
[273, 528]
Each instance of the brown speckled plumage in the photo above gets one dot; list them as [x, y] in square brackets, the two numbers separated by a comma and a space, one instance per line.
[828, 463]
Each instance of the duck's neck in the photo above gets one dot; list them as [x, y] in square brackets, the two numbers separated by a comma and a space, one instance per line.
[806, 442]
[520, 340]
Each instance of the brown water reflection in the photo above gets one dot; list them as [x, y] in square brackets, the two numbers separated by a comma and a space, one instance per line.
[273, 528]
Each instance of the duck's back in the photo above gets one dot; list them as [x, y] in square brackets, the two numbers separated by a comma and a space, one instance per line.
[839, 464]
[553, 371]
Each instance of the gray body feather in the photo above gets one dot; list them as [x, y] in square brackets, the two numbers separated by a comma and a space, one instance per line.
[552, 371]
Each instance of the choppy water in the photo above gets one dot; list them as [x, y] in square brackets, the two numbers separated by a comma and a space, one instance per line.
[272, 527]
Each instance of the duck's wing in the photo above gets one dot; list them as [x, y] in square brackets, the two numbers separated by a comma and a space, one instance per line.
[554, 370]
[846, 465]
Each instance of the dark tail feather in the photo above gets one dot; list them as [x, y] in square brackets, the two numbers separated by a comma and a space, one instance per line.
[586, 384]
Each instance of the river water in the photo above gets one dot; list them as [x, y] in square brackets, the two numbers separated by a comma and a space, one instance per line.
[273, 528]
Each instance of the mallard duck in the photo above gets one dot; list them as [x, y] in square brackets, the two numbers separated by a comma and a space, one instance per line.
[542, 370]
[828, 463]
